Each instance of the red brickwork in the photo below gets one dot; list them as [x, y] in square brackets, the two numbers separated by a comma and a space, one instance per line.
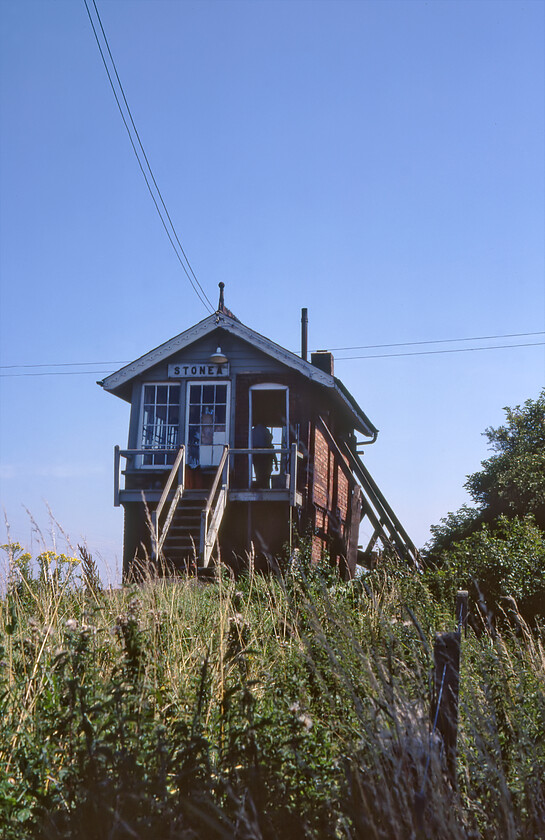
[331, 496]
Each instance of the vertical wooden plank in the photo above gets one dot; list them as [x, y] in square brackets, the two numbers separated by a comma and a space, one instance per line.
[117, 459]
[461, 610]
[354, 529]
[293, 475]
[446, 654]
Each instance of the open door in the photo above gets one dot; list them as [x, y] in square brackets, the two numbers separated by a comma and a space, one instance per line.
[269, 410]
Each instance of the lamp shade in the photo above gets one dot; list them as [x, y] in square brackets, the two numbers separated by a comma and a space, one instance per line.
[218, 358]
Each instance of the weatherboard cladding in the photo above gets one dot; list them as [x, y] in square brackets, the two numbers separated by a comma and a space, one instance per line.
[247, 350]
[244, 360]
[217, 328]
[253, 360]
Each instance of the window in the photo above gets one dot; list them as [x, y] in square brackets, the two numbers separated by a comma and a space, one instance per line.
[207, 423]
[160, 423]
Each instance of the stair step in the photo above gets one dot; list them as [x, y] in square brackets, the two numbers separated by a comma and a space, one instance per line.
[182, 542]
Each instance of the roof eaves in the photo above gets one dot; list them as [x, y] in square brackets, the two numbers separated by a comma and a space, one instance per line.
[158, 354]
[372, 431]
[270, 348]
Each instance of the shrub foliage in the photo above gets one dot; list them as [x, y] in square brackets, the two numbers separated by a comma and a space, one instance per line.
[497, 547]
[261, 708]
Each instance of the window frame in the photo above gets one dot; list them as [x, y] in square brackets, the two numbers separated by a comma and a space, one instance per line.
[282, 461]
[150, 450]
[202, 382]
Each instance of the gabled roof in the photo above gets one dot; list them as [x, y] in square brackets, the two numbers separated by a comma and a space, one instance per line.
[223, 319]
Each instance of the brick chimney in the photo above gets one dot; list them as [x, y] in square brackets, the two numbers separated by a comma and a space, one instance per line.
[323, 360]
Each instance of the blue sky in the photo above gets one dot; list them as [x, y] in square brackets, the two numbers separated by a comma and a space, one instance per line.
[378, 162]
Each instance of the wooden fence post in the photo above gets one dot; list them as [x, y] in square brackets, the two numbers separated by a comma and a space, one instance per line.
[461, 610]
[446, 654]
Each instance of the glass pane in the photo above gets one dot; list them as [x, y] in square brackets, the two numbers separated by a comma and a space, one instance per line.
[206, 429]
[149, 415]
[207, 422]
[208, 393]
[158, 437]
[161, 417]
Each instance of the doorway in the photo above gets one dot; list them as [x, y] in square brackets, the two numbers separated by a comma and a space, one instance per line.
[269, 408]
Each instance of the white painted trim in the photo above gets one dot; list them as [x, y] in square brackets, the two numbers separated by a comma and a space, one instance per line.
[236, 328]
[141, 465]
[266, 386]
[189, 383]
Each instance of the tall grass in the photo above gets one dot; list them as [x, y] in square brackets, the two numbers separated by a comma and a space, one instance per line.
[256, 708]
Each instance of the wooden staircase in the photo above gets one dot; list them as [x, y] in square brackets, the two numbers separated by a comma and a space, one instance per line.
[182, 542]
[189, 533]
[386, 526]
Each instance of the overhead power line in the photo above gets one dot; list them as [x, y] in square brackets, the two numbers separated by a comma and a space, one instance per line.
[144, 163]
[62, 364]
[362, 347]
[433, 352]
[60, 373]
[437, 341]
[338, 359]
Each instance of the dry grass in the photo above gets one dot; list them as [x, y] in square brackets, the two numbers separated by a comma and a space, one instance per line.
[257, 708]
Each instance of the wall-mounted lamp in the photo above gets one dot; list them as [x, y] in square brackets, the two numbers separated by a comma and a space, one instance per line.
[218, 358]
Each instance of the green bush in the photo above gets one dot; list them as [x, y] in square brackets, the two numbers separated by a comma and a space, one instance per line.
[510, 484]
[262, 709]
[505, 561]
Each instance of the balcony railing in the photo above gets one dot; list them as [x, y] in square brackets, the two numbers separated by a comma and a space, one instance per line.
[131, 456]
[212, 515]
[217, 497]
[240, 470]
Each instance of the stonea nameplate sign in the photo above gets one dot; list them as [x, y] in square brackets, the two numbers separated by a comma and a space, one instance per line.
[202, 370]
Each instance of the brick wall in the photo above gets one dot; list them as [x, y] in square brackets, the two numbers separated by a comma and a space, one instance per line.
[331, 497]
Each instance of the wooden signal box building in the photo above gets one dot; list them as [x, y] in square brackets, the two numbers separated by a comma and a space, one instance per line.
[237, 445]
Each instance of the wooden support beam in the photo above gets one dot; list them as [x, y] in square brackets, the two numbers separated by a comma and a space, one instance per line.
[462, 610]
[444, 711]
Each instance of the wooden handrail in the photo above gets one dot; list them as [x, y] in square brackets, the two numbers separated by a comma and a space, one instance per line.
[131, 453]
[219, 472]
[293, 474]
[209, 531]
[369, 483]
[180, 460]
[127, 453]
[178, 468]
[384, 518]
[117, 463]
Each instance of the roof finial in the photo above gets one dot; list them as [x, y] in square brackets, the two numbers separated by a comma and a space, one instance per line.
[221, 306]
